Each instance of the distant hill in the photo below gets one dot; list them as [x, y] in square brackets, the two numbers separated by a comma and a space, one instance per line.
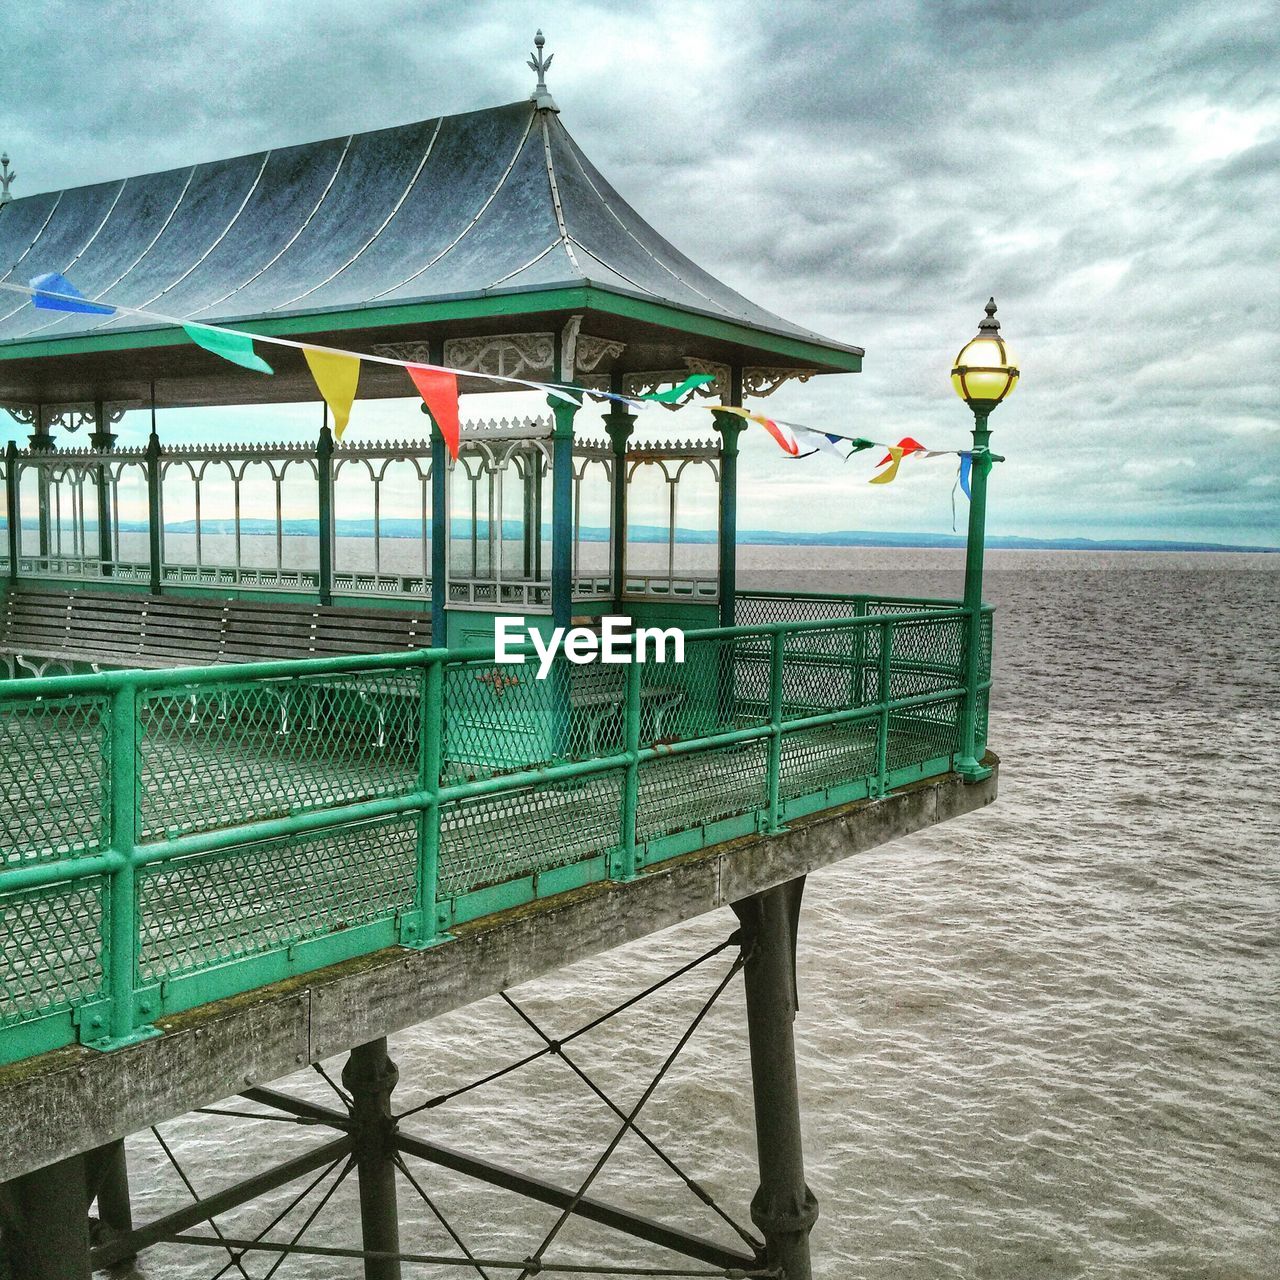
[401, 528]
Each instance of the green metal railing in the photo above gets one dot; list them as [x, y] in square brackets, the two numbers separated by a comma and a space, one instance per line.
[171, 838]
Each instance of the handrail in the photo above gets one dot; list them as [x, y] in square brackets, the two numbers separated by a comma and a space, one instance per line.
[188, 834]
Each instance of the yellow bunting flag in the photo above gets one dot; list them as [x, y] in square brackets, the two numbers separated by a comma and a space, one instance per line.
[336, 377]
[887, 475]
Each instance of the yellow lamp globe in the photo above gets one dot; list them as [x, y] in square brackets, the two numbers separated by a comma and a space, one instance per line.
[985, 371]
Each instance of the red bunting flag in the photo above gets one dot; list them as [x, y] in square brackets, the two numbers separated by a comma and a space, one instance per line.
[908, 447]
[439, 392]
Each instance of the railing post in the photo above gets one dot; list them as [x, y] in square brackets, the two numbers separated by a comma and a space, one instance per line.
[859, 655]
[11, 506]
[155, 511]
[968, 766]
[324, 474]
[120, 966]
[626, 868]
[884, 695]
[431, 763]
[777, 653]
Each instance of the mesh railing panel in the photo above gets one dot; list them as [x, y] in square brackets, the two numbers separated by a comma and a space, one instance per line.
[815, 760]
[925, 733]
[51, 958]
[215, 756]
[53, 777]
[490, 839]
[197, 912]
[686, 791]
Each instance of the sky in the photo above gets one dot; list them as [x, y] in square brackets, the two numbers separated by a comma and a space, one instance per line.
[872, 170]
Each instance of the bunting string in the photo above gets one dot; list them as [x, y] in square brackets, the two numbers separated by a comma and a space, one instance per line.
[336, 373]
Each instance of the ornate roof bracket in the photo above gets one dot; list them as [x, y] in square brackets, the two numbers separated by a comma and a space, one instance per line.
[640, 384]
[70, 417]
[764, 382]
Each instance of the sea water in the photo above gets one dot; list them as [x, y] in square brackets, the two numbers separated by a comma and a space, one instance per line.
[1041, 1041]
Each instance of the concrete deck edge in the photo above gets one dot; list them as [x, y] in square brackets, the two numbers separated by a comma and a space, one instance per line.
[74, 1099]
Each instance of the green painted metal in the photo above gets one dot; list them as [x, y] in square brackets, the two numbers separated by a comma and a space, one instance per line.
[13, 518]
[324, 474]
[834, 356]
[619, 424]
[176, 837]
[969, 763]
[562, 511]
[730, 427]
[155, 513]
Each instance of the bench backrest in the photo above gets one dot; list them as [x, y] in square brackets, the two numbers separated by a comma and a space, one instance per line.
[173, 631]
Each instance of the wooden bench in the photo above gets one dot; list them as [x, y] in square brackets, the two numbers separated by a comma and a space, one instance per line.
[43, 630]
[599, 694]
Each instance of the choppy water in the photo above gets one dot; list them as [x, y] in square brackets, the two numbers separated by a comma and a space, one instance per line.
[1041, 1041]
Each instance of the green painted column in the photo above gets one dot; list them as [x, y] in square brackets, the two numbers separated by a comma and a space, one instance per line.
[783, 1207]
[103, 440]
[967, 763]
[155, 512]
[41, 441]
[730, 427]
[12, 512]
[439, 519]
[324, 474]
[370, 1076]
[562, 510]
[619, 424]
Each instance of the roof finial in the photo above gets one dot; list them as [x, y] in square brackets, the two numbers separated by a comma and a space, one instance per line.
[6, 179]
[541, 95]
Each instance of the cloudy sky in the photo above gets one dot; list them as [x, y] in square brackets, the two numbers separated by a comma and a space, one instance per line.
[1109, 170]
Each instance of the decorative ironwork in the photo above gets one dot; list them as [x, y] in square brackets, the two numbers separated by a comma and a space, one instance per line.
[764, 381]
[639, 384]
[509, 355]
[591, 351]
[70, 417]
[8, 177]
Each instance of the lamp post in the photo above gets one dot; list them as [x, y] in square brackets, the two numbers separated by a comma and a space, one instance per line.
[984, 374]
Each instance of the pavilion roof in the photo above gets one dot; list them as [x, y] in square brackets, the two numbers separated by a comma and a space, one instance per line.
[491, 213]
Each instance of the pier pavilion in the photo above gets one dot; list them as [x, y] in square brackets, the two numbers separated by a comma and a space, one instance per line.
[264, 805]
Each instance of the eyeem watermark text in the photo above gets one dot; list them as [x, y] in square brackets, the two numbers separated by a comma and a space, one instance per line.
[616, 642]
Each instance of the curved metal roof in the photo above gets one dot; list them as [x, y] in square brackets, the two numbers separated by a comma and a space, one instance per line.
[492, 202]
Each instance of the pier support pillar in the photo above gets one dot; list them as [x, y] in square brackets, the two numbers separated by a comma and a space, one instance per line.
[46, 1223]
[784, 1209]
[370, 1076]
[108, 1173]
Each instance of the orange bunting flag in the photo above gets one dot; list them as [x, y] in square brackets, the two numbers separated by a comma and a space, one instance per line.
[894, 458]
[439, 392]
[904, 446]
[336, 378]
[780, 431]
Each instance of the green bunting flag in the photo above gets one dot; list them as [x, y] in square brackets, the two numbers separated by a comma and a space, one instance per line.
[236, 347]
[672, 394]
[857, 445]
